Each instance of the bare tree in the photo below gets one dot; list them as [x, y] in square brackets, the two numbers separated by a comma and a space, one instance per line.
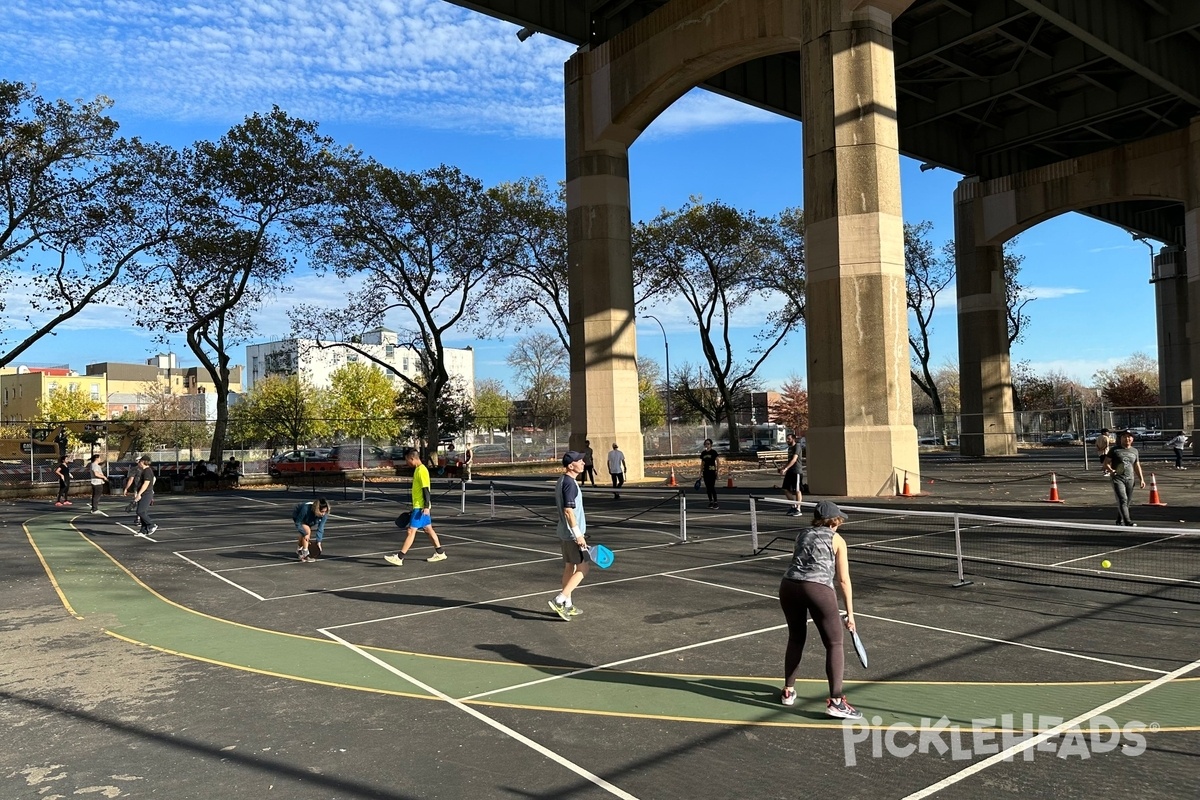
[926, 274]
[1016, 296]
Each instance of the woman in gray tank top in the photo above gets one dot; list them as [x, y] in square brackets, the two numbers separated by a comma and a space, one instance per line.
[818, 561]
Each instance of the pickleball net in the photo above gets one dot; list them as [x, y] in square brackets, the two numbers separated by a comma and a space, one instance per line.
[662, 510]
[1158, 562]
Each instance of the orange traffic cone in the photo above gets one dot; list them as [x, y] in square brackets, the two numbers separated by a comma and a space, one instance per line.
[907, 491]
[672, 481]
[1054, 498]
[729, 483]
[1155, 500]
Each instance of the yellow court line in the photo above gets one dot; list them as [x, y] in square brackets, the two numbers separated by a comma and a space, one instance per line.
[518, 706]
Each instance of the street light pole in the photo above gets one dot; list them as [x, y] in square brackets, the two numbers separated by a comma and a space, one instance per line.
[667, 353]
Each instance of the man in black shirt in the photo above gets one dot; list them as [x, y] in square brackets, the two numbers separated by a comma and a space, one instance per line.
[143, 495]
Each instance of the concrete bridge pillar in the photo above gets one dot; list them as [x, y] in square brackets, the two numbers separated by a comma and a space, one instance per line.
[861, 438]
[1174, 346]
[604, 381]
[1191, 237]
[985, 379]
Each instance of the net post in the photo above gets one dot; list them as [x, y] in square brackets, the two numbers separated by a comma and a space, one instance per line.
[682, 517]
[462, 507]
[753, 525]
[491, 499]
[958, 556]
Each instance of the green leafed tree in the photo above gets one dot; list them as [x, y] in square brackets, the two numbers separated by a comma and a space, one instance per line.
[248, 193]
[281, 411]
[361, 401]
[727, 266]
[66, 404]
[422, 248]
[492, 406]
[81, 207]
[652, 409]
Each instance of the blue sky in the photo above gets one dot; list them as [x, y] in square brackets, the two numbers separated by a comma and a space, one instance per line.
[417, 83]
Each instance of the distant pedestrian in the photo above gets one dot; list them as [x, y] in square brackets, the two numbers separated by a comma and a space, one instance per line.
[589, 463]
[309, 518]
[421, 518]
[791, 475]
[62, 471]
[465, 472]
[1177, 444]
[143, 496]
[572, 533]
[97, 479]
[818, 561]
[708, 472]
[1103, 444]
[1122, 464]
[616, 468]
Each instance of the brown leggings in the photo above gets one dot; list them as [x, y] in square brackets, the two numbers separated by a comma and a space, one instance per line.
[799, 599]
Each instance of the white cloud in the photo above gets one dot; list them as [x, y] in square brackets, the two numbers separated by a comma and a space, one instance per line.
[1052, 292]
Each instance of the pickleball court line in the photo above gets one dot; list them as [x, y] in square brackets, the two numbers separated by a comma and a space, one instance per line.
[502, 728]
[1006, 755]
[992, 639]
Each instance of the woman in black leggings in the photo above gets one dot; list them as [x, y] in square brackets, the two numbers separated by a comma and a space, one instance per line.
[807, 589]
[708, 472]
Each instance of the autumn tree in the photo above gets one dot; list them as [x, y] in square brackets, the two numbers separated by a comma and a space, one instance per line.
[67, 404]
[727, 265]
[1131, 383]
[792, 409]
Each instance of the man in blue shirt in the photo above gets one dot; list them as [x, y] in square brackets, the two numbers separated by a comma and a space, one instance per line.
[572, 528]
[310, 517]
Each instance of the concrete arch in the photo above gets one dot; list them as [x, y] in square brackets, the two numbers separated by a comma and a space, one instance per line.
[1153, 169]
[638, 74]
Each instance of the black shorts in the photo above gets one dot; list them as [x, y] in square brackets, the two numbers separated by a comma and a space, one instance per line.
[571, 553]
[791, 481]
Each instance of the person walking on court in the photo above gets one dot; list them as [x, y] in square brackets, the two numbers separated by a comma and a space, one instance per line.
[1177, 444]
[63, 471]
[309, 518]
[143, 496]
[791, 475]
[1103, 444]
[97, 480]
[818, 559]
[589, 463]
[1122, 464]
[616, 468]
[708, 472]
[572, 533]
[420, 519]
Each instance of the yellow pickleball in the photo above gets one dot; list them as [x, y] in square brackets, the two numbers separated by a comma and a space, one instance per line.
[1106, 563]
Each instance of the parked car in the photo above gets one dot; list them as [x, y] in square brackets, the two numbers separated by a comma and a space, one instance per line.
[1060, 439]
[490, 453]
[350, 456]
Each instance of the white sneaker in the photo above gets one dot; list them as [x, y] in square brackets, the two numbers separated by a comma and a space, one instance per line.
[437, 557]
[394, 560]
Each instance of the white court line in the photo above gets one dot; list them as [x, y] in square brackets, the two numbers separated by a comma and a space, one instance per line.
[623, 661]
[947, 630]
[507, 731]
[1118, 550]
[220, 577]
[1006, 755]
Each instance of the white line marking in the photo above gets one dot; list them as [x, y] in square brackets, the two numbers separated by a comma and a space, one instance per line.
[631, 660]
[220, 577]
[1006, 755]
[507, 731]
[1112, 552]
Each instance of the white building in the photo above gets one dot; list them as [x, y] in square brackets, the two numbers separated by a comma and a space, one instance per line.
[315, 361]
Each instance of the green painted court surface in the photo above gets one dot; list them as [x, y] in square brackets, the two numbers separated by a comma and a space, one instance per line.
[678, 642]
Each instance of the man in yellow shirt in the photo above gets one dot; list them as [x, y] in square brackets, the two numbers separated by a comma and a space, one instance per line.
[420, 519]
